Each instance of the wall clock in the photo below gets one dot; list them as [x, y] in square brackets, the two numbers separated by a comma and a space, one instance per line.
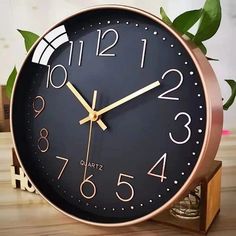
[114, 116]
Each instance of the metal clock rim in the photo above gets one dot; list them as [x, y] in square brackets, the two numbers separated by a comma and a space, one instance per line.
[214, 114]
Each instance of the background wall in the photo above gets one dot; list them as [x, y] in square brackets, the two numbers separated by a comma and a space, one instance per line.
[38, 16]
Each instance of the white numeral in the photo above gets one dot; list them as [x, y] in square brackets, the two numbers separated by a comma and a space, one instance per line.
[102, 36]
[186, 126]
[181, 79]
[81, 52]
[163, 161]
[50, 76]
[71, 52]
[131, 189]
[143, 52]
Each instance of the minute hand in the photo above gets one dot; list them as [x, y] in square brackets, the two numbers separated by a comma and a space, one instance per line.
[123, 100]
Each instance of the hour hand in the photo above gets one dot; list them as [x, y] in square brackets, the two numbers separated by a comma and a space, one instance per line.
[85, 105]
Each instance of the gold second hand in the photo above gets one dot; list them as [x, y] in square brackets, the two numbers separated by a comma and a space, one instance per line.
[90, 134]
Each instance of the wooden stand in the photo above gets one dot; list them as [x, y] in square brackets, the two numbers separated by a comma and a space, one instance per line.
[210, 187]
[209, 203]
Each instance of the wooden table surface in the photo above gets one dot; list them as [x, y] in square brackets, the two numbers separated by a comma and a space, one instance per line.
[24, 213]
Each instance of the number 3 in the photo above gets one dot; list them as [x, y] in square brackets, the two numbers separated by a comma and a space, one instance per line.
[186, 126]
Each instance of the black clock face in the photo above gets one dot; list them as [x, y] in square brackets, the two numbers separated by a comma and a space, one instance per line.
[109, 115]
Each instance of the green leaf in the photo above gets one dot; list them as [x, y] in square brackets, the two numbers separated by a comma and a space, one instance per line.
[232, 84]
[209, 21]
[212, 59]
[164, 17]
[29, 38]
[186, 20]
[10, 82]
[190, 36]
[202, 47]
[199, 44]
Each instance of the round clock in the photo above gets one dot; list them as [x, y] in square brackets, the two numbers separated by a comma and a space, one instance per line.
[114, 116]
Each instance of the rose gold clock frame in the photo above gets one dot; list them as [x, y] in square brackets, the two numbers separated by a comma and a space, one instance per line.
[214, 121]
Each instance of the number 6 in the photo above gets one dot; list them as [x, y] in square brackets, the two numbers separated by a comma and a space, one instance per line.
[92, 185]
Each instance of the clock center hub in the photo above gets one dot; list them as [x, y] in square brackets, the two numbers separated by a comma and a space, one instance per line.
[93, 116]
